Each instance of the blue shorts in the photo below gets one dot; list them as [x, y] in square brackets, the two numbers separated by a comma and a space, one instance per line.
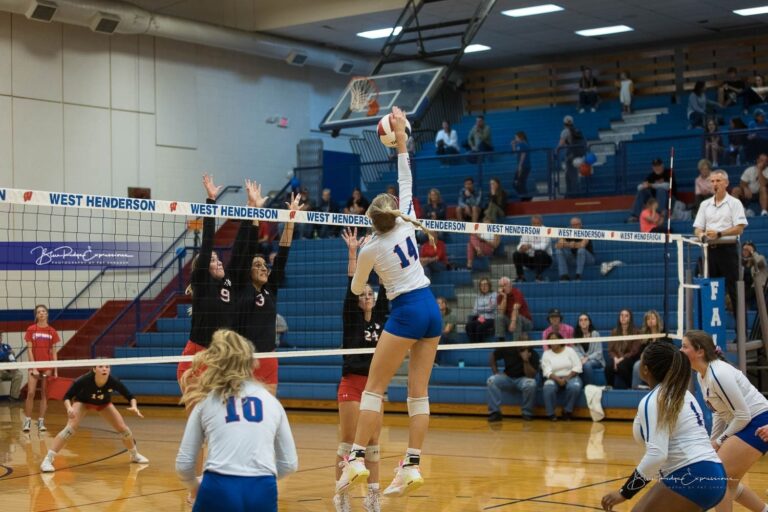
[704, 483]
[747, 434]
[236, 493]
[415, 315]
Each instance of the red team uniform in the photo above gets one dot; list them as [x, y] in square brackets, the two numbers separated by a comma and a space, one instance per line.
[43, 339]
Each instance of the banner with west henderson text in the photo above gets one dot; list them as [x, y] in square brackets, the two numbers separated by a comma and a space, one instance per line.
[76, 255]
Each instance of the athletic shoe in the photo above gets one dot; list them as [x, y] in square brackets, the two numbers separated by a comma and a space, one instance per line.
[352, 471]
[372, 501]
[27, 425]
[139, 458]
[341, 502]
[495, 417]
[41, 425]
[407, 479]
[47, 465]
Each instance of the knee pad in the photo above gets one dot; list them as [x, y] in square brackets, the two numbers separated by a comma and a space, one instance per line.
[67, 432]
[343, 449]
[372, 453]
[126, 434]
[371, 402]
[738, 492]
[418, 406]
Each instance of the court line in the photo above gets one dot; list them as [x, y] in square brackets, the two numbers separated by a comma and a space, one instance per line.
[534, 498]
[113, 500]
[567, 504]
[67, 467]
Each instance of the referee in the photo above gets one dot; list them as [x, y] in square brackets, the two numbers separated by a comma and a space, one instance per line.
[719, 221]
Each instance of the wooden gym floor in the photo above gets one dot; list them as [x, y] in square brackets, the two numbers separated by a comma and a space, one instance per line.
[469, 465]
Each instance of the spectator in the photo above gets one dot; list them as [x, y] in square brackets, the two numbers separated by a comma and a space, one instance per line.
[7, 356]
[699, 107]
[655, 185]
[731, 89]
[590, 353]
[534, 252]
[754, 263]
[703, 187]
[482, 244]
[446, 141]
[497, 201]
[736, 141]
[449, 321]
[480, 323]
[327, 205]
[757, 139]
[521, 364]
[652, 324]
[588, 97]
[435, 207]
[267, 235]
[520, 144]
[556, 325]
[561, 366]
[752, 186]
[622, 354]
[305, 230]
[357, 204]
[513, 314]
[626, 88]
[433, 257]
[468, 207]
[569, 250]
[713, 142]
[651, 221]
[575, 146]
[756, 93]
[479, 139]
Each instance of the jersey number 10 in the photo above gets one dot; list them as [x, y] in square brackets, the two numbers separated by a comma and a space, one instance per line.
[412, 253]
[252, 410]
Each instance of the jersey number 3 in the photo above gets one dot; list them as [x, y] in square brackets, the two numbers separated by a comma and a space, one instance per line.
[252, 410]
[412, 253]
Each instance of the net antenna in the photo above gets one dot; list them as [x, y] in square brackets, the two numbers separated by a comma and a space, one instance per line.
[363, 95]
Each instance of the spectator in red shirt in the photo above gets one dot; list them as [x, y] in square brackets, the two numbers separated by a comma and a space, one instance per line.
[513, 315]
[433, 257]
[651, 221]
[41, 339]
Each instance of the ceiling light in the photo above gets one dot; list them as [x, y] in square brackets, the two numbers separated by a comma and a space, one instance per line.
[472, 48]
[603, 31]
[379, 33]
[532, 11]
[752, 11]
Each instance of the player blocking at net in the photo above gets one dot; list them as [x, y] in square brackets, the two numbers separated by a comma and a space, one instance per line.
[93, 391]
[414, 324]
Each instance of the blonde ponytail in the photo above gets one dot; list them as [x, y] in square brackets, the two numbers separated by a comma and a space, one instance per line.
[418, 224]
[383, 213]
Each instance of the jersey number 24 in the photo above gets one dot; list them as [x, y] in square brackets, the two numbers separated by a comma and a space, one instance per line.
[253, 410]
[412, 253]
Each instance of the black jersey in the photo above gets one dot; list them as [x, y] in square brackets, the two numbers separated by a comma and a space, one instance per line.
[257, 309]
[361, 334]
[214, 300]
[85, 390]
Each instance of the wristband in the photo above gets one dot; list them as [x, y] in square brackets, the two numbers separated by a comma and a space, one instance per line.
[633, 485]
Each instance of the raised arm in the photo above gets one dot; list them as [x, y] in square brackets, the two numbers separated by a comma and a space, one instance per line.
[365, 260]
[404, 178]
[209, 230]
[350, 299]
[246, 241]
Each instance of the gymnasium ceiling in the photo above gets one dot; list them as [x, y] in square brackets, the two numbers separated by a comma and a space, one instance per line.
[334, 23]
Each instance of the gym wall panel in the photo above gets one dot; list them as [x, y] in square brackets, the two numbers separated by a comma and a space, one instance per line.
[5, 53]
[6, 142]
[177, 100]
[36, 59]
[87, 154]
[38, 144]
[125, 151]
[124, 72]
[86, 67]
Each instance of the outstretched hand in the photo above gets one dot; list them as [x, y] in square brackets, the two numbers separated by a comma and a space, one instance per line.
[210, 187]
[253, 190]
[295, 203]
[398, 120]
[350, 238]
[135, 409]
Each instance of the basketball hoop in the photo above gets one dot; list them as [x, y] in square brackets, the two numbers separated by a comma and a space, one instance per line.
[362, 95]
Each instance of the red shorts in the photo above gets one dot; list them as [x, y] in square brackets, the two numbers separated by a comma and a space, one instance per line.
[267, 371]
[351, 388]
[190, 349]
[94, 407]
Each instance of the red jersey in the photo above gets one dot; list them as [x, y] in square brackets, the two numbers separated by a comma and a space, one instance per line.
[515, 297]
[437, 251]
[42, 339]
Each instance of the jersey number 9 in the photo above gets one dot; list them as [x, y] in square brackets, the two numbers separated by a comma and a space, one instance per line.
[252, 409]
[412, 253]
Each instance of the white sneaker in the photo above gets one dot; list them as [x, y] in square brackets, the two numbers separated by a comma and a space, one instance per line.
[749, 213]
[27, 425]
[372, 501]
[41, 425]
[341, 502]
[139, 458]
[353, 471]
[607, 266]
[407, 479]
[763, 213]
[47, 466]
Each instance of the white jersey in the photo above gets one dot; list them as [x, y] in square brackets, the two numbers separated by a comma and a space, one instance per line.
[247, 436]
[666, 452]
[731, 397]
[394, 256]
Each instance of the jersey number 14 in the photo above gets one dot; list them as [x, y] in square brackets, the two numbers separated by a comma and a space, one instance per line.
[412, 253]
[253, 410]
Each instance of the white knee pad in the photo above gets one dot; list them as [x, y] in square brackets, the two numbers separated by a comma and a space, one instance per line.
[126, 434]
[738, 492]
[67, 432]
[418, 406]
[343, 449]
[372, 453]
[371, 402]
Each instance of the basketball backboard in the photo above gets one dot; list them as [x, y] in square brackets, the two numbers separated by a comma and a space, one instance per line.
[366, 99]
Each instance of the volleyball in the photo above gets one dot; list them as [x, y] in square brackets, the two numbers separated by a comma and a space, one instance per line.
[387, 133]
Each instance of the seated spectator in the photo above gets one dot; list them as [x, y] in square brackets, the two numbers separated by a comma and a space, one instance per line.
[521, 364]
[752, 186]
[448, 334]
[651, 221]
[590, 353]
[357, 204]
[523, 149]
[433, 257]
[435, 207]
[7, 356]
[699, 107]
[655, 185]
[281, 327]
[446, 141]
[534, 252]
[479, 139]
[754, 263]
[513, 314]
[561, 366]
[481, 244]
[497, 201]
[468, 205]
[570, 250]
[392, 190]
[481, 323]
[305, 230]
[757, 140]
[588, 98]
[626, 88]
[622, 354]
[713, 142]
[731, 89]
[267, 235]
[755, 93]
[702, 185]
[557, 326]
[736, 141]
[652, 324]
[327, 205]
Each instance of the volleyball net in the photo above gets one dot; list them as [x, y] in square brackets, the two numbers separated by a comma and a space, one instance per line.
[113, 272]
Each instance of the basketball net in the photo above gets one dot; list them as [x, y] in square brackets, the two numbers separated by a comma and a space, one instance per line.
[363, 95]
